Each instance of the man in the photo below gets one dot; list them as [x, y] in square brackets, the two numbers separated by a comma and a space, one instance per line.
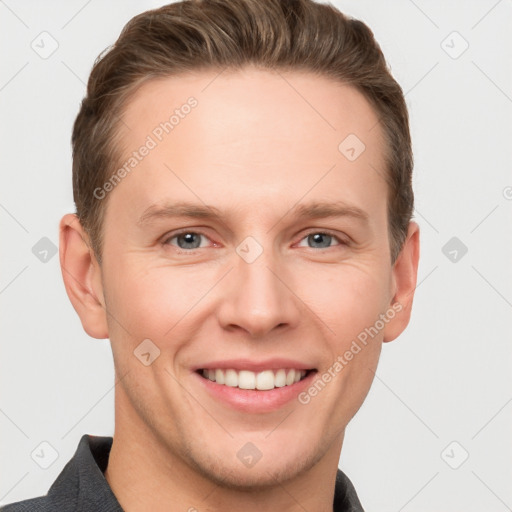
[243, 236]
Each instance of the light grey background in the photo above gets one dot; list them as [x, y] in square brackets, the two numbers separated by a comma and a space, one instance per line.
[447, 378]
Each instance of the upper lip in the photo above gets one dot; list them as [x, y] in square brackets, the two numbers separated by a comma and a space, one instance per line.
[254, 366]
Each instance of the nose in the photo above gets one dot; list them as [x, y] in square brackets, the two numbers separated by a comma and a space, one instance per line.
[258, 297]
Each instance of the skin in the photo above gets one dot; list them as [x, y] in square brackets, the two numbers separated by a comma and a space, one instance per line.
[254, 149]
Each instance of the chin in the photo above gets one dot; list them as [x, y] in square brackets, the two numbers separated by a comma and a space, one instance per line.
[265, 474]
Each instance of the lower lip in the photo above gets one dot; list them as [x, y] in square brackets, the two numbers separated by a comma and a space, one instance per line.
[254, 400]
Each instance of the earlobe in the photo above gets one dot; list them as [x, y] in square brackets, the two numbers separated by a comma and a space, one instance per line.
[82, 277]
[405, 271]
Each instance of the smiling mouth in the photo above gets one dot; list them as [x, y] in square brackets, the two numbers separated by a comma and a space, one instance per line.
[261, 381]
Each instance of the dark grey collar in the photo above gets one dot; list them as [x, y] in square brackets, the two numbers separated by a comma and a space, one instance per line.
[81, 485]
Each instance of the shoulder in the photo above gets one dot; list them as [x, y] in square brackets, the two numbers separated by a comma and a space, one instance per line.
[79, 486]
[345, 495]
[46, 503]
[31, 505]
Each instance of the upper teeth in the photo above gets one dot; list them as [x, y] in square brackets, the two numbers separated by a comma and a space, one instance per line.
[245, 379]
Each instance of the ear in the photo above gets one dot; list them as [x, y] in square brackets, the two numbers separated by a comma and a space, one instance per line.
[404, 274]
[82, 276]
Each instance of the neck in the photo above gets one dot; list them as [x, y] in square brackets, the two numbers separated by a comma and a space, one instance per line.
[145, 474]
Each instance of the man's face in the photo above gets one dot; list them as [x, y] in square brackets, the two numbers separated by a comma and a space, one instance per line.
[259, 287]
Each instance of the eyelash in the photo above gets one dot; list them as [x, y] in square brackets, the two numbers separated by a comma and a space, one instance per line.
[341, 241]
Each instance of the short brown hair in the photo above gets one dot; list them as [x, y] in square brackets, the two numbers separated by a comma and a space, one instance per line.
[215, 34]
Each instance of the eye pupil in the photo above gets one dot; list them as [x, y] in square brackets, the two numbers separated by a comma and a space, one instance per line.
[189, 239]
[321, 238]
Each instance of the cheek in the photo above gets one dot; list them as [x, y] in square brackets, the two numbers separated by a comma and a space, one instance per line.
[347, 299]
[156, 304]
[152, 300]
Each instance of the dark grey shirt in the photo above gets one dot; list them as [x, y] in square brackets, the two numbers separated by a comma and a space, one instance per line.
[81, 485]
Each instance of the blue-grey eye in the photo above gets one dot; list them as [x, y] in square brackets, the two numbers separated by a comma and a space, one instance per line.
[323, 239]
[190, 240]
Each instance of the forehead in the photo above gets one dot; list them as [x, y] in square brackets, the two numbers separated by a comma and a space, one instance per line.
[255, 134]
[255, 99]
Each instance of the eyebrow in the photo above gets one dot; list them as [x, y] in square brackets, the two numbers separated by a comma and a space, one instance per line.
[312, 210]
